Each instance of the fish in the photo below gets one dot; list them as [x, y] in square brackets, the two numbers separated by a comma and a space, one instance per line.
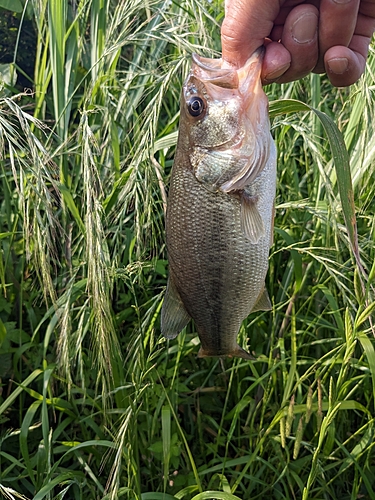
[220, 211]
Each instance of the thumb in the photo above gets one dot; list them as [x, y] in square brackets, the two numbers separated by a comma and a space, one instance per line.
[246, 24]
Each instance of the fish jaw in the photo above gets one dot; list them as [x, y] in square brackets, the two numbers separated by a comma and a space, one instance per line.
[249, 81]
[246, 79]
[256, 147]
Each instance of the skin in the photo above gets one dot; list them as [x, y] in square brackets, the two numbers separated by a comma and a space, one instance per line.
[300, 36]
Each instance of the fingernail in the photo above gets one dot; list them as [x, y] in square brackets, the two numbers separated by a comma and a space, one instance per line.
[342, 1]
[304, 28]
[275, 74]
[338, 65]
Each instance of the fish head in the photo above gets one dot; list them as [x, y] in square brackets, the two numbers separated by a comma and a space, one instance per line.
[211, 112]
[216, 101]
[224, 122]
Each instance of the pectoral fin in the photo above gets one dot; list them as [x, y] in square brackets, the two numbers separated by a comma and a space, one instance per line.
[263, 303]
[173, 313]
[251, 222]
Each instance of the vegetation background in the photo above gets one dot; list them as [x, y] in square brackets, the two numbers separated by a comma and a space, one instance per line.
[93, 403]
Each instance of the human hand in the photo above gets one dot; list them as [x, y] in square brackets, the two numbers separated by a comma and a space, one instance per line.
[330, 36]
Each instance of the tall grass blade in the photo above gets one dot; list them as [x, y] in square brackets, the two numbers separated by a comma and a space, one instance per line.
[166, 436]
[370, 355]
[57, 13]
[219, 495]
[340, 159]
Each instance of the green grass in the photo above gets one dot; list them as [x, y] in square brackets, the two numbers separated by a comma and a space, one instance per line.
[94, 403]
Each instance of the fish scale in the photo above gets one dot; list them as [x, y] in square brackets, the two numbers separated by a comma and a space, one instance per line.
[216, 274]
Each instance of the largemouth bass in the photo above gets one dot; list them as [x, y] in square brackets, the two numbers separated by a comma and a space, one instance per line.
[220, 210]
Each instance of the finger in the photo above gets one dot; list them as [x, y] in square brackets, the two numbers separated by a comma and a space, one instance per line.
[367, 8]
[300, 39]
[246, 24]
[276, 62]
[337, 22]
[344, 66]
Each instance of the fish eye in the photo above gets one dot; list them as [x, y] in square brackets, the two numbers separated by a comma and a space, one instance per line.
[196, 106]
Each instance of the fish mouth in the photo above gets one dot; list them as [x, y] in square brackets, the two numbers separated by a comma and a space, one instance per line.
[212, 71]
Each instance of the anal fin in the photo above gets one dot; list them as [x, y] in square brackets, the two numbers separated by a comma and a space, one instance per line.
[251, 222]
[174, 316]
[263, 302]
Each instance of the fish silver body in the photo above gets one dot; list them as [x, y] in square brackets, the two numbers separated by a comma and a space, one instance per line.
[221, 206]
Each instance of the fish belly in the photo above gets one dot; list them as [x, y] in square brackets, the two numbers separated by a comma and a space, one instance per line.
[217, 272]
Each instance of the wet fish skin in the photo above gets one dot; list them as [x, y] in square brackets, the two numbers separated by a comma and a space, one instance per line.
[220, 210]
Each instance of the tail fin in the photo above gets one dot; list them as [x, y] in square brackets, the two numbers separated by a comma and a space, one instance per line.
[238, 352]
